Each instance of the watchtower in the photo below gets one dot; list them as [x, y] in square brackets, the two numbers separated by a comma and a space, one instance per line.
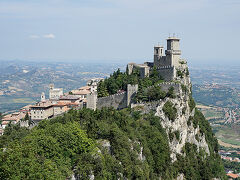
[173, 51]
[158, 54]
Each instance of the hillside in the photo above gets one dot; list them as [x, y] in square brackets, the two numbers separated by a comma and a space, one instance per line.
[105, 143]
[22, 82]
[162, 136]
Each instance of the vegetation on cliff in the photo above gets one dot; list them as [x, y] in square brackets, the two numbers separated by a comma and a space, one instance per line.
[119, 81]
[139, 148]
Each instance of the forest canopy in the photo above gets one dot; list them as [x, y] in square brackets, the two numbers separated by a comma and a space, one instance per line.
[73, 143]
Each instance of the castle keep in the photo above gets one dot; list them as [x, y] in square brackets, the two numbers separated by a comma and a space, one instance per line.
[166, 65]
[169, 66]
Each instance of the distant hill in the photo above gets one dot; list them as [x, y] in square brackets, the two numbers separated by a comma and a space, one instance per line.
[27, 80]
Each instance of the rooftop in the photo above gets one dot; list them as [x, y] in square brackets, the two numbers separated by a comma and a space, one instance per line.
[13, 117]
[234, 176]
[173, 38]
[85, 88]
[68, 97]
[81, 92]
[42, 105]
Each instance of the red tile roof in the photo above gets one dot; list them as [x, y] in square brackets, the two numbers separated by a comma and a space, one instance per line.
[232, 175]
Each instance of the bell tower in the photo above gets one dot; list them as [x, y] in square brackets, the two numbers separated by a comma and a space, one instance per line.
[43, 99]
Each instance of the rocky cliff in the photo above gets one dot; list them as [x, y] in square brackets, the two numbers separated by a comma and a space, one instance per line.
[161, 136]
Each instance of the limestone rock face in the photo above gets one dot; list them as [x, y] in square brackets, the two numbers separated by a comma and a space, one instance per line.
[187, 132]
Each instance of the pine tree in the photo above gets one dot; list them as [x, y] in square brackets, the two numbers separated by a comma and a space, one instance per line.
[1, 116]
[102, 90]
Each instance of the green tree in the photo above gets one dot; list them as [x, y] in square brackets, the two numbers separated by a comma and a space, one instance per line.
[170, 110]
[26, 118]
[1, 117]
[154, 75]
[102, 90]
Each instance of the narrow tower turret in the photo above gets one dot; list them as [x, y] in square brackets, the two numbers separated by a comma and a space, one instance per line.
[173, 51]
[158, 53]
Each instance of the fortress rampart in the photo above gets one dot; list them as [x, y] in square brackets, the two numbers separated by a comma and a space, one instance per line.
[168, 73]
[117, 101]
[124, 99]
[166, 85]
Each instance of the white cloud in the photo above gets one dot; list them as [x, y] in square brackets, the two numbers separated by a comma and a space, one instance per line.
[33, 36]
[46, 36]
[49, 36]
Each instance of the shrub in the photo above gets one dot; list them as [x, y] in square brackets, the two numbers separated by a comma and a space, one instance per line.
[187, 72]
[171, 136]
[191, 103]
[177, 134]
[170, 110]
[184, 88]
[171, 93]
[180, 73]
[184, 110]
[190, 120]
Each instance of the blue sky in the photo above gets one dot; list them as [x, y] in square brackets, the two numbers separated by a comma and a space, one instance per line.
[118, 30]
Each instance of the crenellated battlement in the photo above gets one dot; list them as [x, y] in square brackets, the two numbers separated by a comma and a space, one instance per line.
[164, 67]
[112, 96]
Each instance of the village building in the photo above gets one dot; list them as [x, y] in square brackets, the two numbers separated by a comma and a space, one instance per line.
[25, 109]
[69, 99]
[54, 93]
[40, 111]
[12, 118]
[232, 176]
[60, 108]
[93, 83]
[81, 92]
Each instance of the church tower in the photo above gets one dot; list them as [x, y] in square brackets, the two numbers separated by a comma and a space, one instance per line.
[173, 51]
[43, 99]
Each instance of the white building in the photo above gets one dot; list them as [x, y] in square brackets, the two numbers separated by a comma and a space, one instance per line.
[40, 111]
[55, 93]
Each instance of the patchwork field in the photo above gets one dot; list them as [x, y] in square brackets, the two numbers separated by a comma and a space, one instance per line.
[229, 134]
[11, 104]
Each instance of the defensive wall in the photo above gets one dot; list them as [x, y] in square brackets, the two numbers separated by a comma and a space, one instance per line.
[168, 73]
[124, 99]
[166, 85]
[117, 101]
[147, 107]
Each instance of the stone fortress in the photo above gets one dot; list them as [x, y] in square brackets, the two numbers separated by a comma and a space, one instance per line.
[169, 67]
[166, 65]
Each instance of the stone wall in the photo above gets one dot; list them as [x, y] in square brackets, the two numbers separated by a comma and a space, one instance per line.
[166, 85]
[124, 99]
[117, 101]
[147, 107]
[92, 101]
[168, 73]
[131, 91]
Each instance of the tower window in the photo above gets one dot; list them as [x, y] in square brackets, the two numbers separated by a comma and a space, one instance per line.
[156, 51]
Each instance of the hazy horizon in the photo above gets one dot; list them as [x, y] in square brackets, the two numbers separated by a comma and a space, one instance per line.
[58, 30]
